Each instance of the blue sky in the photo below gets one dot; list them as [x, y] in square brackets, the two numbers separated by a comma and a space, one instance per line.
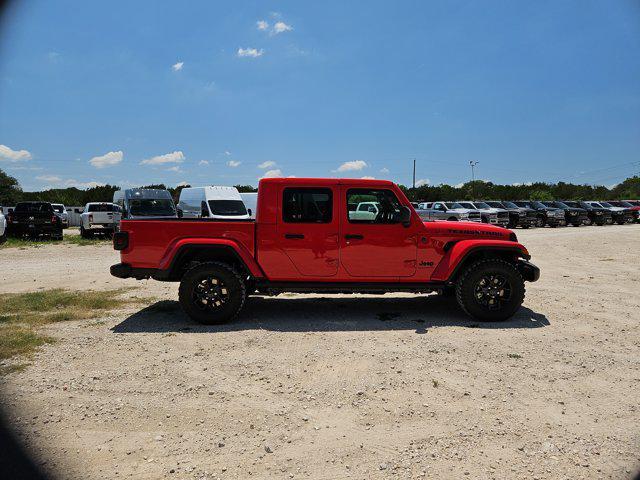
[225, 92]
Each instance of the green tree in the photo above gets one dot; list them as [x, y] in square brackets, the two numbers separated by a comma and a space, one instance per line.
[10, 191]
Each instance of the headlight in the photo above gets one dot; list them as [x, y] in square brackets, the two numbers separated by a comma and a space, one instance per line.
[464, 215]
[598, 213]
[573, 213]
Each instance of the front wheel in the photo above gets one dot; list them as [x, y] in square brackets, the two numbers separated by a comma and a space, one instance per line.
[212, 293]
[540, 222]
[490, 290]
[3, 238]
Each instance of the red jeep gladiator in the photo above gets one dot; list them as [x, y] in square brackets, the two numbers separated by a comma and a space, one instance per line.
[331, 236]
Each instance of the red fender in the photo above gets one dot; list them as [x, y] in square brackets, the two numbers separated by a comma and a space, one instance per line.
[457, 253]
[243, 253]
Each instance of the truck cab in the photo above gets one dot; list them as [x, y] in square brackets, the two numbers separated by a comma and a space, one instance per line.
[214, 202]
[139, 203]
[308, 237]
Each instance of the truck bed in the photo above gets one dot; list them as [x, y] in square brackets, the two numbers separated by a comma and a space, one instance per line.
[153, 241]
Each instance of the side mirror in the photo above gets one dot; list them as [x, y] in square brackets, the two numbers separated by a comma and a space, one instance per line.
[405, 216]
[179, 212]
[249, 211]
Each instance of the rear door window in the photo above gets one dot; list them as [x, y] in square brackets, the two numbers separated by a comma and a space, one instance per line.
[307, 205]
[227, 208]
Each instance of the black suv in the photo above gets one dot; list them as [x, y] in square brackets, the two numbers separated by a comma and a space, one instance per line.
[595, 213]
[518, 216]
[544, 215]
[572, 215]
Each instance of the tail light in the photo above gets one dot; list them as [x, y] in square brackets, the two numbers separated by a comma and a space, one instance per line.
[120, 240]
[54, 219]
[10, 217]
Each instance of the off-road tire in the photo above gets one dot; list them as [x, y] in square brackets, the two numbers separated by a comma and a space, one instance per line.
[470, 278]
[84, 233]
[232, 282]
[3, 238]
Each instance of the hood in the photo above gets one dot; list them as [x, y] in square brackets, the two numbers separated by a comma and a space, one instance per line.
[469, 230]
[492, 210]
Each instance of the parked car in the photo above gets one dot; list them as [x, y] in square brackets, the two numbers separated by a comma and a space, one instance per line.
[596, 214]
[572, 215]
[99, 217]
[34, 219]
[61, 211]
[634, 208]
[450, 211]
[301, 242]
[518, 216]
[215, 202]
[494, 216]
[3, 228]
[551, 216]
[250, 200]
[621, 215]
[138, 203]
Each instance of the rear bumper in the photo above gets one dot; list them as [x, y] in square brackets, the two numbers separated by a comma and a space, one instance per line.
[24, 229]
[124, 270]
[101, 227]
[528, 270]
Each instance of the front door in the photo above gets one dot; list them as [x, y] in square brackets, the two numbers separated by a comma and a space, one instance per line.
[308, 230]
[378, 245]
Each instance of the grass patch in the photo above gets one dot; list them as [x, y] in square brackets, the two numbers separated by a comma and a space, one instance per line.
[514, 355]
[22, 313]
[23, 243]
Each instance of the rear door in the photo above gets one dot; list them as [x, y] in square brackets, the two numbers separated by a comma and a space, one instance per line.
[307, 229]
[378, 247]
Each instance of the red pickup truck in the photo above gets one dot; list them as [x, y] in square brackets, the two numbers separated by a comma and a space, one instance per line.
[327, 235]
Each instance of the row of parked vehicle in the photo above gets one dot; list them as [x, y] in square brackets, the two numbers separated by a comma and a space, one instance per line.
[531, 213]
[35, 219]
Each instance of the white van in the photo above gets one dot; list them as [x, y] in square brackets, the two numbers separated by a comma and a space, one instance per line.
[136, 203]
[250, 200]
[212, 202]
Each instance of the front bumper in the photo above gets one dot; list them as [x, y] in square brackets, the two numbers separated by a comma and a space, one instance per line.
[528, 270]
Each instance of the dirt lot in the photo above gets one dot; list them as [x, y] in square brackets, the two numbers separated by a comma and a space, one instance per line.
[394, 386]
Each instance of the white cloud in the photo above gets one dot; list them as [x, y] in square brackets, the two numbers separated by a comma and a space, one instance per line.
[173, 157]
[182, 184]
[203, 162]
[353, 165]
[177, 66]
[53, 56]
[227, 153]
[49, 178]
[272, 173]
[11, 155]
[422, 181]
[281, 27]
[107, 160]
[267, 164]
[262, 25]
[459, 185]
[176, 169]
[250, 52]
[233, 163]
[367, 177]
[384, 170]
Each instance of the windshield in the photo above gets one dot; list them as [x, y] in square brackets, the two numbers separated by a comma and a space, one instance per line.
[467, 205]
[33, 208]
[481, 205]
[453, 205]
[494, 204]
[227, 208]
[622, 204]
[573, 204]
[58, 208]
[561, 204]
[538, 204]
[510, 205]
[606, 204]
[100, 207]
[151, 207]
[524, 204]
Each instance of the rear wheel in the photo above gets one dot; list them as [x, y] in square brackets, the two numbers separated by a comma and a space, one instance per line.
[540, 221]
[452, 219]
[84, 233]
[490, 290]
[212, 293]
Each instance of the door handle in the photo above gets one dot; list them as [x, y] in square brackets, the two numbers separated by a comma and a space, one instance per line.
[353, 236]
[294, 236]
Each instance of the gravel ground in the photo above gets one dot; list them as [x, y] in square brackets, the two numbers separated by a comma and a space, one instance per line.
[310, 386]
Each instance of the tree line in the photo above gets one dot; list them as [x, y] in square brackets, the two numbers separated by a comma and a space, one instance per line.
[11, 192]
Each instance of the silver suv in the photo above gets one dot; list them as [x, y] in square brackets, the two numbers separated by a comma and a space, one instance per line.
[494, 216]
[451, 211]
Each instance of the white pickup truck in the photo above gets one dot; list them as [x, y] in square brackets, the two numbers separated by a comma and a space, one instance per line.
[3, 228]
[100, 217]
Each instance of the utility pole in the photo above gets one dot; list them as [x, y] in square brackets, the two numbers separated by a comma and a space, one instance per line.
[414, 173]
[473, 178]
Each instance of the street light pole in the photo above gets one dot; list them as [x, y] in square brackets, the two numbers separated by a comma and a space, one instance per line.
[414, 173]
[473, 178]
